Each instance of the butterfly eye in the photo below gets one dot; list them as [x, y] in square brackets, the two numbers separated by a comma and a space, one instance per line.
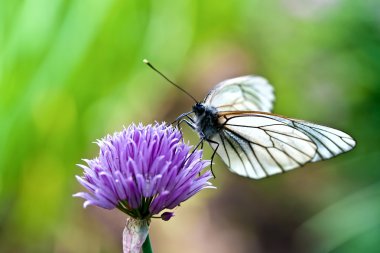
[199, 108]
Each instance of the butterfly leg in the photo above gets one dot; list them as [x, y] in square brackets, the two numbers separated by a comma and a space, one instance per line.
[196, 147]
[213, 154]
[189, 121]
[199, 144]
[181, 117]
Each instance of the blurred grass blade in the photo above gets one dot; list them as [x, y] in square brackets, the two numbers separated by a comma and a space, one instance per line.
[345, 220]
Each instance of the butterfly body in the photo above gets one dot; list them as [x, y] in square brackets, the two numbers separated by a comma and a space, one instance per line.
[206, 120]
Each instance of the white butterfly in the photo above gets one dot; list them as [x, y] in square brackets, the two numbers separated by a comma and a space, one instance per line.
[235, 119]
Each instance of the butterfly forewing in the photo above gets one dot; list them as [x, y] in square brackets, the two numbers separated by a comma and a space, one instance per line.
[246, 93]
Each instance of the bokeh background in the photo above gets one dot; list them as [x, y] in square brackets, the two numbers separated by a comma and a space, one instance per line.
[72, 71]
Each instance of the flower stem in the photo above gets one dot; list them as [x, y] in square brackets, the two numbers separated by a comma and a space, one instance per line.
[146, 247]
[134, 235]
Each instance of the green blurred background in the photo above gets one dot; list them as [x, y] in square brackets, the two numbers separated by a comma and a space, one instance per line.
[72, 71]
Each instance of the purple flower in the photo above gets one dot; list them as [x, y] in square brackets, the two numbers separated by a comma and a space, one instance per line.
[142, 171]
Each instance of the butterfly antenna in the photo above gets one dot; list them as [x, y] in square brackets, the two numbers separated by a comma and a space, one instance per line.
[184, 91]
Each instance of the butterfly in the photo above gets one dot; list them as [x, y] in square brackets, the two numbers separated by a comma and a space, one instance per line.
[236, 119]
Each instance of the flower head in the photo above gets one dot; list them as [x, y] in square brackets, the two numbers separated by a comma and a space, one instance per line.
[142, 171]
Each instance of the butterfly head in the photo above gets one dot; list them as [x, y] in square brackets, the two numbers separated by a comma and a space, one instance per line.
[199, 109]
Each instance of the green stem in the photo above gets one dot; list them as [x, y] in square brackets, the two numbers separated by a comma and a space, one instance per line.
[146, 247]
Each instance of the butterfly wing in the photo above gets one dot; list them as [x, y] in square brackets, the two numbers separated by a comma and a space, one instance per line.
[245, 93]
[330, 142]
[257, 145]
